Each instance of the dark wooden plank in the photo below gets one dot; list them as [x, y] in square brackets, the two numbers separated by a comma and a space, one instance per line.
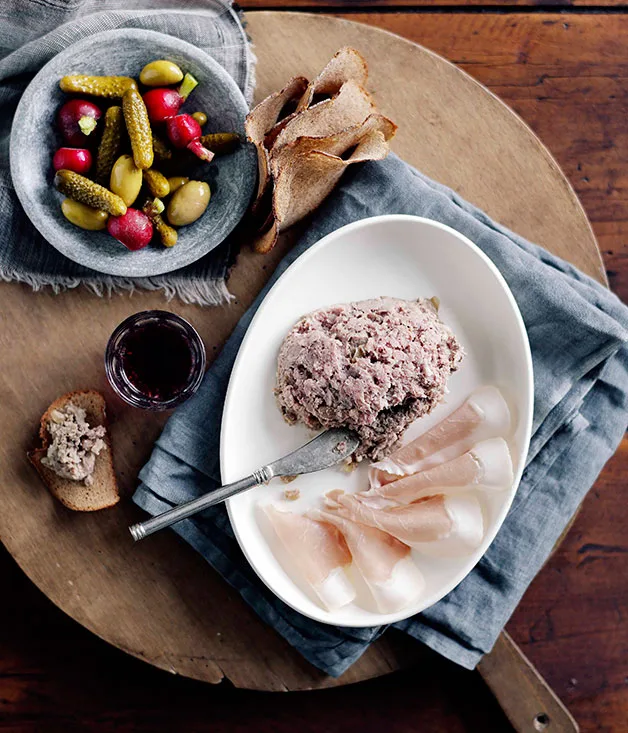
[408, 5]
[55, 677]
[572, 621]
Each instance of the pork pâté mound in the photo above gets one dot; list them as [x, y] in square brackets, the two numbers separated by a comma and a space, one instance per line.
[374, 366]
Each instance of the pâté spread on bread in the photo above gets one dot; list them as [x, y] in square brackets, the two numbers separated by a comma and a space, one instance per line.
[72, 452]
[75, 459]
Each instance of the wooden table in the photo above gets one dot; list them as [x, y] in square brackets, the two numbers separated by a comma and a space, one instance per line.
[563, 73]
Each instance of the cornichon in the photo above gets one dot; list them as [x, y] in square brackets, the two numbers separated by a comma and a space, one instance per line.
[156, 183]
[175, 182]
[161, 151]
[81, 189]
[220, 142]
[97, 86]
[138, 127]
[109, 144]
[153, 210]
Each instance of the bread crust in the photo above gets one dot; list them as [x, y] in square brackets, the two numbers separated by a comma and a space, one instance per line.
[75, 495]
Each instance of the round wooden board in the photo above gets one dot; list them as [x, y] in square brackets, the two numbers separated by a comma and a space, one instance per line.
[159, 600]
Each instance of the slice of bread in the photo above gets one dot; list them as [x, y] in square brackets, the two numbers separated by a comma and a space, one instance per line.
[75, 495]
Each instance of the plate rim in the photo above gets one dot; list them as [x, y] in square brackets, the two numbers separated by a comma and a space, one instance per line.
[522, 332]
[20, 187]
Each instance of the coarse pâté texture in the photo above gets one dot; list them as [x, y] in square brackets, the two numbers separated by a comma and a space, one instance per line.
[374, 366]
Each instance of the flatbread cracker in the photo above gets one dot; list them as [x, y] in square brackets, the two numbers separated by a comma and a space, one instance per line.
[346, 64]
[261, 119]
[352, 105]
[335, 144]
[307, 178]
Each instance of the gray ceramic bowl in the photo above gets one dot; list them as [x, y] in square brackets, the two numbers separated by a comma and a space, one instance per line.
[34, 139]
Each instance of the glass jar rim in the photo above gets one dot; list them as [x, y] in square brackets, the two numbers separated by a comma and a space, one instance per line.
[118, 384]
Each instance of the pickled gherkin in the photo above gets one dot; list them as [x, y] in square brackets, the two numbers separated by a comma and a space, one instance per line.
[81, 189]
[138, 127]
[161, 151]
[109, 144]
[156, 183]
[220, 142]
[167, 234]
[97, 86]
[175, 182]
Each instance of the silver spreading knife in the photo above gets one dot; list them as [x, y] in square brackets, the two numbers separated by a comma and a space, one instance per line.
[326, 450]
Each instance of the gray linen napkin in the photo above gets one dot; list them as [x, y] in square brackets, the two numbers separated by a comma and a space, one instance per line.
[31, 33]
[577, 331]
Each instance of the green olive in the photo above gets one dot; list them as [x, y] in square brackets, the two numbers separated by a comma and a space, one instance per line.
[126, 179]
[188, 203]
[200, 117]
[84, 216]
[160, 73]
[176, 182]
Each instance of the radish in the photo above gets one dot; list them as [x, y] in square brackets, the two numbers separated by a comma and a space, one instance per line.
[164, 103]
[77, 119]
[78, 160]
[134, 230]
[185, 132]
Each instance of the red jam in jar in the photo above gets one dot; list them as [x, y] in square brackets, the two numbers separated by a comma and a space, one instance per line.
[155, 360]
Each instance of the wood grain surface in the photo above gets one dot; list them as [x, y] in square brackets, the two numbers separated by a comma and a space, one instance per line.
[408, 6]
[581, 654]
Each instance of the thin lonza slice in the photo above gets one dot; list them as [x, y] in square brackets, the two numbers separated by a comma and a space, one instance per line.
[262, 118]
[308, 179]
[352, 105]
[336, 144]
[423, 525]
[384, 562]
[487, 466]
[483, 415]
[317, 551]
[346, 64]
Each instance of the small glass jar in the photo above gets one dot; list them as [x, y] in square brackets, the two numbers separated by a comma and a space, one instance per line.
[155, 360]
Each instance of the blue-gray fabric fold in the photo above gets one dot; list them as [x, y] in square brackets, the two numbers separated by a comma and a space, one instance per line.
[577, 331]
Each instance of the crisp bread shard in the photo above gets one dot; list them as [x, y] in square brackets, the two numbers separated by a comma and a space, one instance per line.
[347, 64]
[335, 144]
[260, 121]
[350, 106]
[306, 171]
[302, 154]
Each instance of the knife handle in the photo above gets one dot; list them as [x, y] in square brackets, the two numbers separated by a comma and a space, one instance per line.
[183, 511]
[528, 701]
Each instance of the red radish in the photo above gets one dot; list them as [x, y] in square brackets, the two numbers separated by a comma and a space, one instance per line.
[77, 119]
[164, 103]
[185, 132]
[78, 160]
[134, 229]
